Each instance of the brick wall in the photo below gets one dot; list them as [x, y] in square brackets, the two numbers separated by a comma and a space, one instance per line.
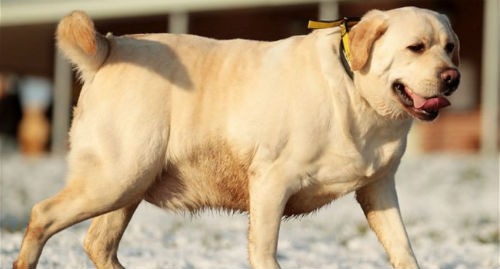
[451, 132]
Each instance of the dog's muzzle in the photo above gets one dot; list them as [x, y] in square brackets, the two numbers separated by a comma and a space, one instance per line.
[451, 79]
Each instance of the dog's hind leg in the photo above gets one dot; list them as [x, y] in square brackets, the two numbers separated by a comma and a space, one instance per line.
[82, 198]
[104, 235]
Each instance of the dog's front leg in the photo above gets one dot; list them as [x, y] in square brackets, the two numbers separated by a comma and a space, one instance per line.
[380, 205]
[268, 197]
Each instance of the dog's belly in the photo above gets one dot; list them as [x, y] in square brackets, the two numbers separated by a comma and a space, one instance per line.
[208, 176]
[308, 200]
[214, 177]
[190, 194]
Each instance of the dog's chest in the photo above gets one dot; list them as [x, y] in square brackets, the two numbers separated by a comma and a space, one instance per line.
[334, 179]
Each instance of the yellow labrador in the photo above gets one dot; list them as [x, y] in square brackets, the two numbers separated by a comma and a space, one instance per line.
[272, 128]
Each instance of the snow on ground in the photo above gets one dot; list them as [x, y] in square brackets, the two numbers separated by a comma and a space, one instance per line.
[449, 203]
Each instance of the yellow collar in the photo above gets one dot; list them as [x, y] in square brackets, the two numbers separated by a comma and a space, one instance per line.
[345, 25]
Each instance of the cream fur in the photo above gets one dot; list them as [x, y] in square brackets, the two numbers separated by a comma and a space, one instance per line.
[272, 128]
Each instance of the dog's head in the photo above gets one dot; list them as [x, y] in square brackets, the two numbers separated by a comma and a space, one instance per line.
[405, 61]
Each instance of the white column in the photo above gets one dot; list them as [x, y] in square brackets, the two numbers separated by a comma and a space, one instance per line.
[328, 10]
[490, 78]
[63, 80]
[178, 22]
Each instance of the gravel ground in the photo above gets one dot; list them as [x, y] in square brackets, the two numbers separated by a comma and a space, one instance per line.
[449, 203]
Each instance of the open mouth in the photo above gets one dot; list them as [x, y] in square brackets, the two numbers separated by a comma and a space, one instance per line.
[423, 108]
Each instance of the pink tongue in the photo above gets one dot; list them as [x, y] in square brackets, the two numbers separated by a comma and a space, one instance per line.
[433, 104]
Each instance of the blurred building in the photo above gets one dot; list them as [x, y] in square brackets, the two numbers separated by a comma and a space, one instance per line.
[27, 49]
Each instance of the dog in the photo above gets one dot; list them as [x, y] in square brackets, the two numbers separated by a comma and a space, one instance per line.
[274, 129]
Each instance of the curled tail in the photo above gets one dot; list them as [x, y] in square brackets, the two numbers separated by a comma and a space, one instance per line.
[79, 41]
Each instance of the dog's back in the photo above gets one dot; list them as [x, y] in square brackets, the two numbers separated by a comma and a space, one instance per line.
[190, 92]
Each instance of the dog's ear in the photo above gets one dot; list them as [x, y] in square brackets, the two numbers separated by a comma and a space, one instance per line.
[363, 35]
[456, 53]
[455, 58]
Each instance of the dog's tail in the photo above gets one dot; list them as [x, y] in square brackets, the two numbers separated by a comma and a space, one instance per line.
[79, 41]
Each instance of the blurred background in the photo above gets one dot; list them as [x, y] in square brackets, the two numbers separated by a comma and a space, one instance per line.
[38, 87]
[447, 184]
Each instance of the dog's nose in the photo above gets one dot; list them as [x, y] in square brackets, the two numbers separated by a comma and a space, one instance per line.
[451, 78]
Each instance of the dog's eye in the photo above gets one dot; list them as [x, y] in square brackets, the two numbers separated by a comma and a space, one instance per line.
[449, 47]
[417, 48]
